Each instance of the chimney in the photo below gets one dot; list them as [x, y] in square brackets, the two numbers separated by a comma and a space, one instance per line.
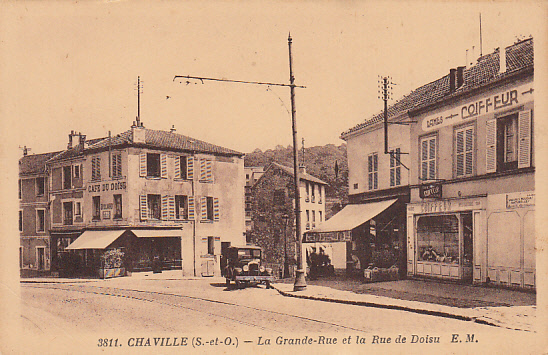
[69, 145]
[452, 79]
[25, 151]
[302, 169]
[138, 133]
[172, 129]
[472, 56]
[81, 139]
[460, 76]
[502, 56]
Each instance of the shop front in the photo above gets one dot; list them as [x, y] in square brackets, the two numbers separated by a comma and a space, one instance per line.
[442, 236]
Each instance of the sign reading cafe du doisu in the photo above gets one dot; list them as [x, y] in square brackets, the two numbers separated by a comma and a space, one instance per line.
[108, 186]
[485, 105]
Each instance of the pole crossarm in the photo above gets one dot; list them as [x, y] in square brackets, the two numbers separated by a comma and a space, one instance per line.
[236, 81]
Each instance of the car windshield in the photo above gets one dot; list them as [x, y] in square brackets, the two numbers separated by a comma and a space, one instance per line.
[249, 254]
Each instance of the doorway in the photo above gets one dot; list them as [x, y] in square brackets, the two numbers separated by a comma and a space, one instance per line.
[41, 258]
[467, 245]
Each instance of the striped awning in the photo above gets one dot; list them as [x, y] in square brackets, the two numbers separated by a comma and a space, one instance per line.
[95, 239]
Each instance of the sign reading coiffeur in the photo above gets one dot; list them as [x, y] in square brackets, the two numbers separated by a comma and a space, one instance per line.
[487, 104]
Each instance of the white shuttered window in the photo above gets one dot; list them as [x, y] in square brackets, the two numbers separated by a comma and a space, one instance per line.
[464, 151]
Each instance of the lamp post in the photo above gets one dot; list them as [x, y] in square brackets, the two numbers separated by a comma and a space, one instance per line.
[285, 218]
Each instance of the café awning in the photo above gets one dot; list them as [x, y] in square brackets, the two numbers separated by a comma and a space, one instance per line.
[95, 239]
[338, 227]
[156, 233]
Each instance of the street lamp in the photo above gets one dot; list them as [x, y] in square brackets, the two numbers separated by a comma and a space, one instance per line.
[285, 218]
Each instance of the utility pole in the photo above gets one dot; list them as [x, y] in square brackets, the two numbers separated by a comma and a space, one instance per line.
[300, 281]
[385, 91]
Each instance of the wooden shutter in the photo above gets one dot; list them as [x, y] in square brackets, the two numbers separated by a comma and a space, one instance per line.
[163, 166]
[190, 168]
[209, 170]
[491, 146]
[216, 207]
[143, 207]
[203, 172]
[469, 149]
[203, 208]
[143, 164]
[177, 167]
[165, 209]
[171, 207]
[524, 143]
[191, 208]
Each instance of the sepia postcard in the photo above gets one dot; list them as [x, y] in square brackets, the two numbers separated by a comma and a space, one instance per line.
[267, 177]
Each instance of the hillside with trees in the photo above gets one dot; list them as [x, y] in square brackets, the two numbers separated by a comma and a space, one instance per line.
[328, 163]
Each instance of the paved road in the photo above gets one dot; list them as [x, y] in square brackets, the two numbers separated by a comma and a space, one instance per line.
[176, 307]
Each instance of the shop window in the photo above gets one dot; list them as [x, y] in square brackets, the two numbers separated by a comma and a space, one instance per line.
[116, 169]
[67, 177]
[373, 171]
[40, 220]
[96, 168]
[153, 202]
[96, 216]
[181, 207]
[62, 244]
[20, 221]
[438, 239]
[395, 167]
[153, 165]
[464, 151]
[117, 206]
[67, 213]
[40, 186]
[428, 158]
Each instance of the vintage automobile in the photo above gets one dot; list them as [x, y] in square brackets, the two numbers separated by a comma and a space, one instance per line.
[243, 266]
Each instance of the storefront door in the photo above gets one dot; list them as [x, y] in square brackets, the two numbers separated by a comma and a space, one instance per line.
[467, 246]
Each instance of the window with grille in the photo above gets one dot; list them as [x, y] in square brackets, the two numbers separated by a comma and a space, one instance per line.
[373, 171]
[428, 158]
[395, 167]
[464, 151]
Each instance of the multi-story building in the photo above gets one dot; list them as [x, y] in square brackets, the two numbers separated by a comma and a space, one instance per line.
[464, 207]
[472, 209]
[34, 212]
[252, 174]
[274, 216]
[155, 195]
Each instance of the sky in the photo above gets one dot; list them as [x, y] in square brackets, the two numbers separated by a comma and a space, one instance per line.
[74, 66]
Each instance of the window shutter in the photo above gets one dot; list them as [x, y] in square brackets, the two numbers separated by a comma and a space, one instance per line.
[216, 207]
[171, 207]
[209, 170]
[203, 206]
[190, 168]
[143, 207]
[469, 148]
[203, 172]
[163, 166]
[143, 164]
[177, 167]
[491, 146]
[165, 205]
[191, 209]
[524, 144]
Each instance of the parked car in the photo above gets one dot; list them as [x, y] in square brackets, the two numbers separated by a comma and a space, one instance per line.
[244, 266]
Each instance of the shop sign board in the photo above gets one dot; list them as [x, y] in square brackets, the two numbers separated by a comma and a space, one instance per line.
[339, 236]
[520, 199]
[484, 105]
[433, 190]
[445, 206]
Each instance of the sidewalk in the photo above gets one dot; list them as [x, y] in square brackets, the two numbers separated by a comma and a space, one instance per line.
[498, 307]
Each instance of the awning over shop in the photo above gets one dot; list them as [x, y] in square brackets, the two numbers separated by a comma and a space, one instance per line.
[95, 239]
[156, 233]
[338, 227]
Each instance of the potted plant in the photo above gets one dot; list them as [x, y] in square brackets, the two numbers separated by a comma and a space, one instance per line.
[112, 264]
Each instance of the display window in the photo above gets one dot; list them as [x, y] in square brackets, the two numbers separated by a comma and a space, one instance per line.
[438, 238]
